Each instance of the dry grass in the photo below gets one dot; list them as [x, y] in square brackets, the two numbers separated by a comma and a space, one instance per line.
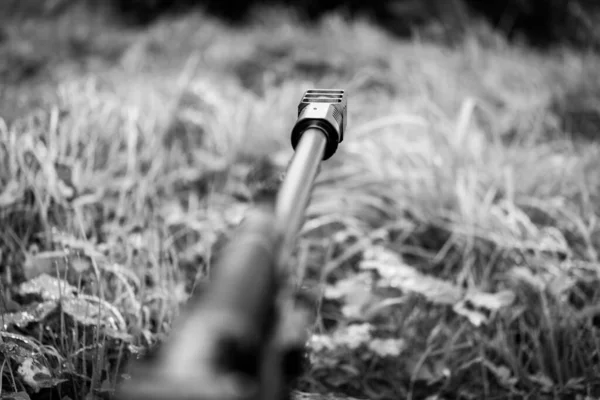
[454, 236]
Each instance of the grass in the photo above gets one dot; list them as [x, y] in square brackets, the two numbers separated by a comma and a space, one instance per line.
[453, 237]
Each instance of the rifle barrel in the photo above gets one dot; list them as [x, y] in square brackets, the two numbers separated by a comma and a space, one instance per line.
[296, 190]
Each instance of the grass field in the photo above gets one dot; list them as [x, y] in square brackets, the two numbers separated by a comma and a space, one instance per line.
[454, 236]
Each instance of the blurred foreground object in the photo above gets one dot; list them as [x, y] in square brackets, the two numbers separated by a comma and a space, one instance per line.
[244, 335]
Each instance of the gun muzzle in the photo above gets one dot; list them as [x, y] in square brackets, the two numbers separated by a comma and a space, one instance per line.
[323, 109]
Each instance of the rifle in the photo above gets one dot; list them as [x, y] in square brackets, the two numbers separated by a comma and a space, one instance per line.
[244, 336]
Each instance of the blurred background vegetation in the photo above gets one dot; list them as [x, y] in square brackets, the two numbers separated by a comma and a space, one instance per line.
[539, 22]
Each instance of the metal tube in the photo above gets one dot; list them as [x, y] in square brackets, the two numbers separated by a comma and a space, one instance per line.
[296, 190]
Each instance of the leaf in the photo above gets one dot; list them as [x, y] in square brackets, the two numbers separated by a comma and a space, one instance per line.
[92, 311]
[491, 301]
[355, 291]
[48, 262]
[321, 342]
[544, 381]
[396, 274]
[477, 318]
[36, 375]
[348, 337]
[522, 274]
[353, 336]
[71, 263]
[16, 396]
[35, 313]
[14, 351]
[427, 370]
[575, 384]
[18, 347]
[560, 286]
[502, 374]
[11, 194]
[387, 347]
[479, 306]
[344, 287]
[47, 287]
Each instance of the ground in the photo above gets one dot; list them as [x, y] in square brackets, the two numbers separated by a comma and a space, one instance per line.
[453, 237]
